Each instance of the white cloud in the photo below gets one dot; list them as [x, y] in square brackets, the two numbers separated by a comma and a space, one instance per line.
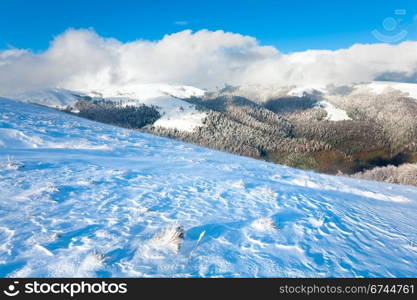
[80, 59]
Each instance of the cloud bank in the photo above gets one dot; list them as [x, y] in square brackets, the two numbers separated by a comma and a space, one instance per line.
[81, 59]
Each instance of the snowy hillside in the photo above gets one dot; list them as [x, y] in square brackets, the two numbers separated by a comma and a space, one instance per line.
[262, 93]
[81, 198]
[56, 98]
[176, 113]
[379, 87]
[333, 113]
[323, 94]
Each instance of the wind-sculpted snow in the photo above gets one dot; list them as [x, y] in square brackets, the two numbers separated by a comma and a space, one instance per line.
[79, 198]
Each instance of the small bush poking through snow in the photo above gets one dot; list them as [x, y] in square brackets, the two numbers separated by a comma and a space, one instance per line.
[12, 164]
[169, 239]
[99, 257]
[238, 184]
[264, 224]
[56, 236]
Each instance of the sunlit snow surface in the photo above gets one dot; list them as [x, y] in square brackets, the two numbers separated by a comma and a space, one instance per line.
[96, 200]
[379, 87]
[333, 113]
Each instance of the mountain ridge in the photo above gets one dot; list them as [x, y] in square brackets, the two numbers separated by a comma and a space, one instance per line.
[347, 129]
[85, 199]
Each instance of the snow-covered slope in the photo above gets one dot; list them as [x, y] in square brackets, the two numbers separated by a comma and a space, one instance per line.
[53, 97]
[379, 87]
[333, 113]
[264, 93]
[81, 198]
[176, 113]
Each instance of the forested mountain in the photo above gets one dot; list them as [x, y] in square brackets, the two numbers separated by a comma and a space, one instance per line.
[335, 130]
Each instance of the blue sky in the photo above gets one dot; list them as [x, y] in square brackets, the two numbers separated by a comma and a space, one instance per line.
[288, 25]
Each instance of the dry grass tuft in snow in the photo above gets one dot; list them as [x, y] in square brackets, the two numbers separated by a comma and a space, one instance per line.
[12, 164]
[264, 224]
[169, 239]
